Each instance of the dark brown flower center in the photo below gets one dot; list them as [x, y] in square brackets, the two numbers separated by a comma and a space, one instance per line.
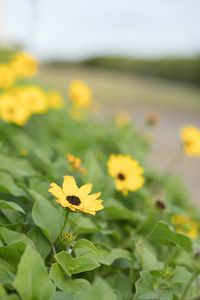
[74, 200]
[121, 176]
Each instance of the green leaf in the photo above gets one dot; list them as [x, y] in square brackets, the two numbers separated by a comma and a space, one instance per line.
[100, 290]
[16, 166]
[147, 256]
[10, 236]
[7, 272]
[145, 287]
[76, 265]
[85, 247]
[163, 234]
[49, 218]
[66, 284]
[12, 253]
[7, 185]
[81, 224]
[40, 241]
[32, 281]
[107, 256]
[11, 205]
[116, 211]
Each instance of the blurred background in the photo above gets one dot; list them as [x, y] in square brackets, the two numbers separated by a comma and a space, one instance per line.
[139, 58]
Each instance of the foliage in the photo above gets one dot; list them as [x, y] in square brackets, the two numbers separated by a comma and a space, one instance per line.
[128, 250]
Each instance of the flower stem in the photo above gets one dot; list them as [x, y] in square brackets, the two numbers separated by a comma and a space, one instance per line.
[65, 221]
[185, 291]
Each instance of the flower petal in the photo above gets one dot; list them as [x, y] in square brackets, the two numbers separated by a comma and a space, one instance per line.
[69, 185]
[56, 190]
[84, 190]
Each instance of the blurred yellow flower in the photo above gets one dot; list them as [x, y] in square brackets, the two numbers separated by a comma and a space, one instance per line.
[75, 198]
[127, 172]
[55, 100]
[191, 140]
[33, 97]
[12, 110]
[7, 76]
[185, 225]
[24, 65]
[80, 94]
[75, 163]
[122, 118]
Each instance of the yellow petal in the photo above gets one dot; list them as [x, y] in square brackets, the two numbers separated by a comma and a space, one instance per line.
[91, 197]
[56, 190]
[69, 185]
[84, 190]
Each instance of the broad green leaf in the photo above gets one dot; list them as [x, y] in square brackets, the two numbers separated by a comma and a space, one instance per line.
[67, 284]
[7, 272]
[147, 256]
[7, 185]
[48, 217]
[32, 281]
[114, 210]
[122, 284]
[40, 241]
[145, 287]
[11, 205]
[82, 224]
[163, 234]
[16, 166]
[100, 290]
[85, 247]
[108, 256]
[12, 253]
[76, 265]
[10, 236]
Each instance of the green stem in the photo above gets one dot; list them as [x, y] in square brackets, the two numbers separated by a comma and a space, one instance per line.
[65, 221]
[185, 291]
[61, 231]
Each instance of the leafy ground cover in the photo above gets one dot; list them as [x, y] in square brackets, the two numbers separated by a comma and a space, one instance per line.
[58, 241]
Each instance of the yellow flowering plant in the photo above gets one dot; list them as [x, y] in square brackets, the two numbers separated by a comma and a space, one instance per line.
[60, 240]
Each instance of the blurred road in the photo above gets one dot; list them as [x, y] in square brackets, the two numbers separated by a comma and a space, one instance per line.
[176, 105]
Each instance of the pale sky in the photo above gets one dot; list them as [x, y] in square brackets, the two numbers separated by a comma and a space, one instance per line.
[80, 28]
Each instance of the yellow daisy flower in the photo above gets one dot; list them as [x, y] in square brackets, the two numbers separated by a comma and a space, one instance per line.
[24, 65]
[191, 140]
[75, 198]
[127, 172]
[7, 76]
[12, 110]
[80, 94]
[185, 225]
[55, 100]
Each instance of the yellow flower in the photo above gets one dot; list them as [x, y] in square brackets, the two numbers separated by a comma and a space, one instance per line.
[75, 198]
[191, 140]
[24, 65]
[33, 97]
[127, 172]
[122, 119]
[7, 76]
[75, 163]
[80, 94]
[55, 100]
[12, 110]
[185, 225]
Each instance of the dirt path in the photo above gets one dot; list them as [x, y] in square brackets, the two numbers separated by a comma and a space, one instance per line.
[176, 105]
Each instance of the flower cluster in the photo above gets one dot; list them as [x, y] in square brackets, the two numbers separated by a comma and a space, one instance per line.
[22, 65]
[19, 103]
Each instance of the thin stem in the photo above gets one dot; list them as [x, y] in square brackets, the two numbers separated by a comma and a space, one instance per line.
[65, 221]
[54, 249]
[185, 291]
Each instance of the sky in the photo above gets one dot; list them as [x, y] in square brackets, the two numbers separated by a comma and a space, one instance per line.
[82, 28]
